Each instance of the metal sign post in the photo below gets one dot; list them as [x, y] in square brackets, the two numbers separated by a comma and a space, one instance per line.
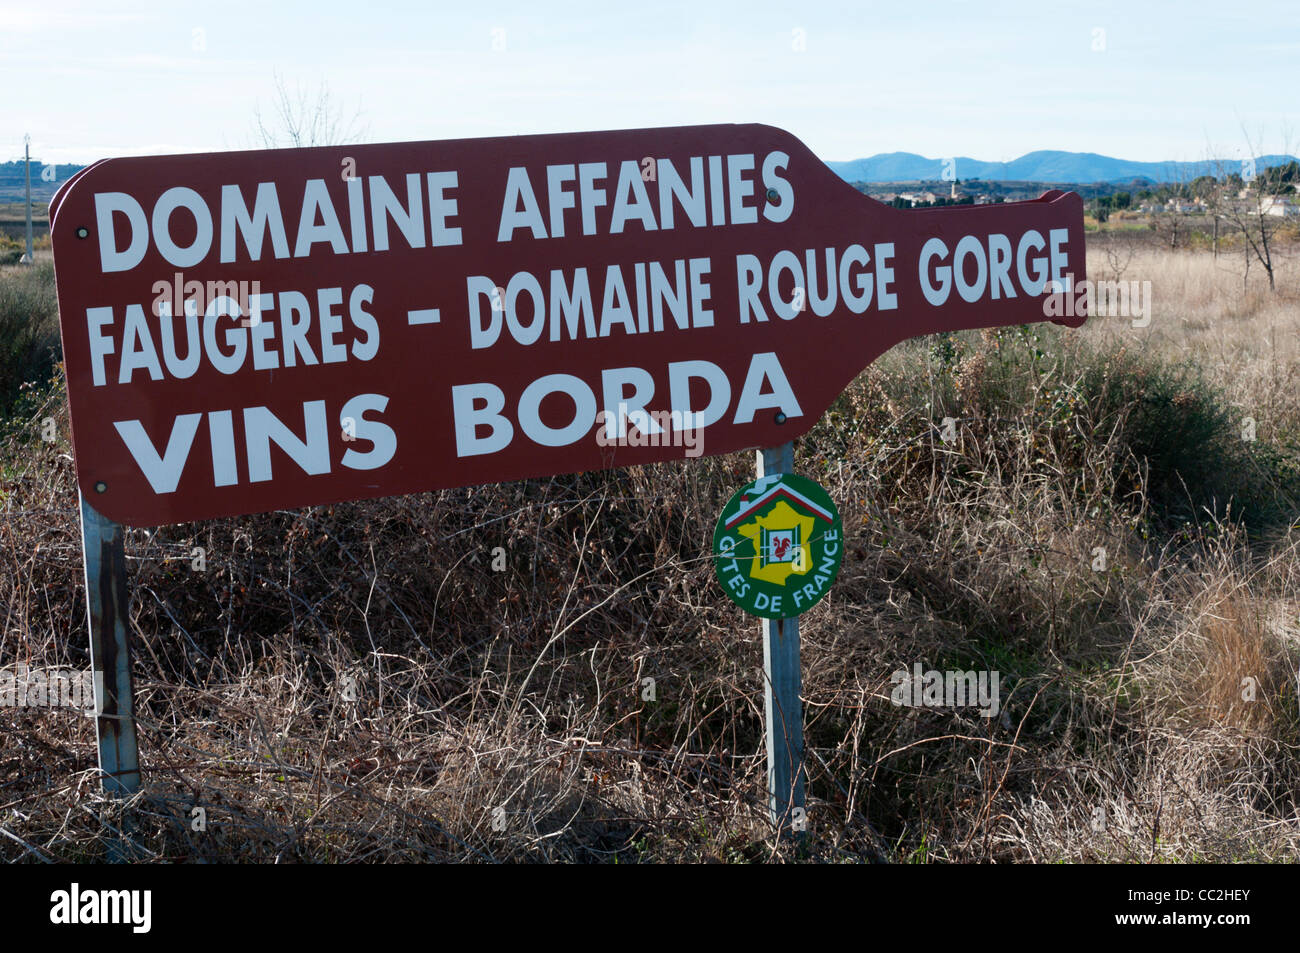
[108, 606]
[782, 681]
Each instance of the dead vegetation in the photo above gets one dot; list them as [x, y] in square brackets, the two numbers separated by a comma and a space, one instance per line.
[362, 683]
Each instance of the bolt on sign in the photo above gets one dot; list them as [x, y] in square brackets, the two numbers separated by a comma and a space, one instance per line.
[250, 331]
[778, 546]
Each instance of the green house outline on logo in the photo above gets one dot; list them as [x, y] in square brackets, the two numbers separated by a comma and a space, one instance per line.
[749, 506]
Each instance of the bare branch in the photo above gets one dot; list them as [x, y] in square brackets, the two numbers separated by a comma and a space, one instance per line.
[300, 117]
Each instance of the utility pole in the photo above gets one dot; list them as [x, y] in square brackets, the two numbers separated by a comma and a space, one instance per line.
[27, 143]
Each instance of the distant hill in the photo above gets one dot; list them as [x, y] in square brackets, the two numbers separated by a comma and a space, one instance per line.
[1045, 166]
[1042, 166]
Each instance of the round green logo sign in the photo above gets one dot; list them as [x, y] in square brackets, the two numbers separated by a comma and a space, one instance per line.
[778, 546]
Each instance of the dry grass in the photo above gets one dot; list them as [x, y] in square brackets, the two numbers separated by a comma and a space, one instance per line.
[1215, 313]
[356, 683]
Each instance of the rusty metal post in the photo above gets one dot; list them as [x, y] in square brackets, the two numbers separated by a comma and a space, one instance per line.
[108, 604]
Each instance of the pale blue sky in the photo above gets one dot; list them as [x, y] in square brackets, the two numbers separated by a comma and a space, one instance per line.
[991, 80]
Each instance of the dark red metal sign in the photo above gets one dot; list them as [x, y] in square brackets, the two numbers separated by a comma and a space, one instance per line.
[249, 331]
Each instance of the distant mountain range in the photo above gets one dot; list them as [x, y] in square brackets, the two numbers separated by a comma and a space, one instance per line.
[1042, 166]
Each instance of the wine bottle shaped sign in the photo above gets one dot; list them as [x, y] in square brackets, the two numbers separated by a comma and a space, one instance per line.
[251, 331]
